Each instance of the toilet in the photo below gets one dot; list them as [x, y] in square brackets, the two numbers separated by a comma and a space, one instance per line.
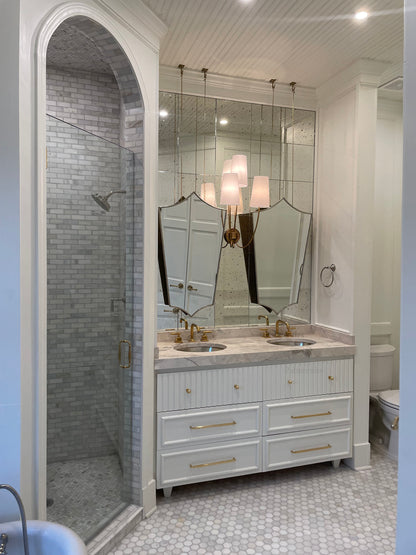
[384, 401]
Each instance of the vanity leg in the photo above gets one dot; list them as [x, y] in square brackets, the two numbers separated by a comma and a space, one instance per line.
[335, 463]
[167, 492]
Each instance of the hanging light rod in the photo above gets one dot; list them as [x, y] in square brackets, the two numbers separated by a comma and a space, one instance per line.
[293, 86]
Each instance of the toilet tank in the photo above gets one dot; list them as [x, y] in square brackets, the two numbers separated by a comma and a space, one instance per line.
[381, 367]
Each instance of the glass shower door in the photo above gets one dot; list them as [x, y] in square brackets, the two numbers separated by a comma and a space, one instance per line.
[90, 234]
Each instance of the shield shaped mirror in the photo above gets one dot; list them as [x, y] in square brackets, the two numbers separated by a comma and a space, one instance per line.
[274, 259]
[190, 238]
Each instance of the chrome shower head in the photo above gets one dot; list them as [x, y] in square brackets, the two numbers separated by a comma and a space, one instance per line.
[103, 201]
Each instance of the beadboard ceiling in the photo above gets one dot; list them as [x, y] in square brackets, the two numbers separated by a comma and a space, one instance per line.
[306, 41]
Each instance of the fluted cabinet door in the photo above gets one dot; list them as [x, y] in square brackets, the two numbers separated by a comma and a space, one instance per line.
[286, 381]
[208, 388]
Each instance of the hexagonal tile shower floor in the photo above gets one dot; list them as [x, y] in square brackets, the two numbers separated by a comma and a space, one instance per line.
[313, 509]
[85, 493]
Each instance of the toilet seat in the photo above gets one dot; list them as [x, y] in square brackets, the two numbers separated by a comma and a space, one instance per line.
[390, 399]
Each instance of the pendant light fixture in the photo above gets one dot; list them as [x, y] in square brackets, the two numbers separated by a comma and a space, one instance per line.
[293, 87]
[207, 189]
[181, 67]
[234, 168]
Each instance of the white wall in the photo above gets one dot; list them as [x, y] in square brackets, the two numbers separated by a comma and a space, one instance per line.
[25, 28]
[343, 222]
[406, 537]
[385, 307]
[334, 214]
[10, 369]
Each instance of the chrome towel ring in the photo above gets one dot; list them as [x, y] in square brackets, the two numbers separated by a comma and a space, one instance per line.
[331, 276]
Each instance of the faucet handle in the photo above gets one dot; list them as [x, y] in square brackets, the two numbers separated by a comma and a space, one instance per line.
[289, 331]
[265, 331]
[4, 538]
[178, 336]
[204, 332]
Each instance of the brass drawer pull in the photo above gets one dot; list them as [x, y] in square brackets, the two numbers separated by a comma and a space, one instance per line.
[233, 423]
[312, 449]
[312, 415]
[213, 463]
[331, 378]
[188, 390]
[290, 382]
[236, 386]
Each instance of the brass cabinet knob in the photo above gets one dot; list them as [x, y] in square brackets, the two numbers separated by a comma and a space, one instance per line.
[236, 386]
[188, 390]
[331, 378]
[289, 381]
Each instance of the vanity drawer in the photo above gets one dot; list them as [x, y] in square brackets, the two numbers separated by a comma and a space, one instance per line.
[286, 381]
[208, 388]
[207, 425]
[287, 450]
[220, 460]
[306, 413]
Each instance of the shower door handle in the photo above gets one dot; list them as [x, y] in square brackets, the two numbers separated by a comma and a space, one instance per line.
[119, 353]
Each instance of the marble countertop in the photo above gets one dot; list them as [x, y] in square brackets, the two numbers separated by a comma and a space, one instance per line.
[247, 346]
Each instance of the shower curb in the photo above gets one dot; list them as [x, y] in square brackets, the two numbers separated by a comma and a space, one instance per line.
[111, 536]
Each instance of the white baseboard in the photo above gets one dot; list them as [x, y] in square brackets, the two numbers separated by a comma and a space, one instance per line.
[360, 459]
[149, 498]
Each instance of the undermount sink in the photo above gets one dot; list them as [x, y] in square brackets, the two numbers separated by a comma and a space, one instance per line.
[295, 342]
[201, 347]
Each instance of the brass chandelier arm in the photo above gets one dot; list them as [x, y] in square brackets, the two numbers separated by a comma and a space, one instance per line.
[254, 232]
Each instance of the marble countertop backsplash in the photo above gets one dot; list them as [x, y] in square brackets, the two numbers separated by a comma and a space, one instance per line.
[246, 346]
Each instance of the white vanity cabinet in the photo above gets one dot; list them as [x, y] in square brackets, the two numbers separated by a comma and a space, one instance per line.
[218, 423]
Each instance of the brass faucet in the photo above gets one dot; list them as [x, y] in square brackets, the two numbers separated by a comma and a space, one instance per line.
[264, 330]
[191, 337]
[185, 321]
[288, 328]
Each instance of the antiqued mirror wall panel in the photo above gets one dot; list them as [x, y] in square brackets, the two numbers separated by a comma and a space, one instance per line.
[196, 136]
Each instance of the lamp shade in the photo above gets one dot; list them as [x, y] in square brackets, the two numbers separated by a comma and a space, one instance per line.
[230, 191]
[260, 195]
[239, 166]
[227, 166]
[208, 193]
[240, 207]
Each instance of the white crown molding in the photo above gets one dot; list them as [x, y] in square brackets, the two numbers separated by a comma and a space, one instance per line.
[392, 72]
[361, 72]
[138, 18]
[235, 88]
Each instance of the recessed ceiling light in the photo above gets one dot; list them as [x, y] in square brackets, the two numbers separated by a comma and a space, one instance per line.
[163, 113]
[223, 121]
[361, 15]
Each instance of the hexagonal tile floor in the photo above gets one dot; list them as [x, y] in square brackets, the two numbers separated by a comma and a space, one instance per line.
[313, 510]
